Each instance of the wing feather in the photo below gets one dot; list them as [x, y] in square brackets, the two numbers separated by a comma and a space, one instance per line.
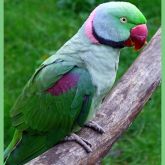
[38, 109]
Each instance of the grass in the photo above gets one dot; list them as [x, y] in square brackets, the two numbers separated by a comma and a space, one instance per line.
[36, 29]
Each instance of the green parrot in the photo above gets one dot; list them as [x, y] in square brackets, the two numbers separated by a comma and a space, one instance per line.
[65, 92]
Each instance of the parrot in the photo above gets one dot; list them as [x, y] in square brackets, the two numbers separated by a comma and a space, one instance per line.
[65, 92]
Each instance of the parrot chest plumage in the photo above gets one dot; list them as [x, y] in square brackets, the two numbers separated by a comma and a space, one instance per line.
[102, 64]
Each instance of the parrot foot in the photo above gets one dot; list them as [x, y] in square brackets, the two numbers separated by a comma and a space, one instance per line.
[95, 126]
[83, 142]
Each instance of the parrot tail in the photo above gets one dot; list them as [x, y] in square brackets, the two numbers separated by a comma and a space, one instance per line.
[27, 145]
[16, 139]
[30, 146]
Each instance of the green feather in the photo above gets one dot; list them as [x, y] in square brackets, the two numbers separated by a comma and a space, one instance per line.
[44, 119]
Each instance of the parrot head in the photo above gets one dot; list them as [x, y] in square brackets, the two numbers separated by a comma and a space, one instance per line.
[117, 24]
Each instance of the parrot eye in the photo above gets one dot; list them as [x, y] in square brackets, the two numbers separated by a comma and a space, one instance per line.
[123, 20]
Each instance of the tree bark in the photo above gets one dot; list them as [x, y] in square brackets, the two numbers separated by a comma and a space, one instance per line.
[118, 111]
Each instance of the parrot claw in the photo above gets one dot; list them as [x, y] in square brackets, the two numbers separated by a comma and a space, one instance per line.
[83, 142]
[95, 126]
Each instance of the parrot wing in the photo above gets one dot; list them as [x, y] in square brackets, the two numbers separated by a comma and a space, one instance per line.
[58, 96]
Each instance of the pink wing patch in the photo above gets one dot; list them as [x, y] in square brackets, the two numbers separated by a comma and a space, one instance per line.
[67, 82]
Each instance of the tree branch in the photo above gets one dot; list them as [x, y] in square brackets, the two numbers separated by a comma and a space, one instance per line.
[118, 111]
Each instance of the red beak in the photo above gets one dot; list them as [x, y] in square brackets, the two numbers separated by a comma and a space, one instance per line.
[138, 37]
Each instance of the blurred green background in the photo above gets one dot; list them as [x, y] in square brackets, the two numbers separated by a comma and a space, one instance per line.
[35, 29]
